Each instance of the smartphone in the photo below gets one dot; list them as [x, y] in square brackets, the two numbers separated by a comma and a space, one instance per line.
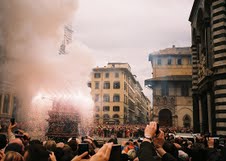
[83, 147]
[157, 130]
[12, 120]
[115, 153]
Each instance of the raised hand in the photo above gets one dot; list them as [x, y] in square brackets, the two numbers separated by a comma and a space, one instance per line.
[103, 154]
[80, 157]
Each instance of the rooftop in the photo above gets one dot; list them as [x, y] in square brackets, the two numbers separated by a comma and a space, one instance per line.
[173, 51]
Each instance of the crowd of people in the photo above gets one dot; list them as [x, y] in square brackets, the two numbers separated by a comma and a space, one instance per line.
[130, 131]
[151, 145]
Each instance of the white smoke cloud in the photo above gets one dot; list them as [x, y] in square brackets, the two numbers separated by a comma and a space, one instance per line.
[31, 33]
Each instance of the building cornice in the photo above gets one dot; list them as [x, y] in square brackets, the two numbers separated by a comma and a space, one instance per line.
[194, 8]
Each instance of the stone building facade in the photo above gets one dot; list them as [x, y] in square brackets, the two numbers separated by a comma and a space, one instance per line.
[8, 101]
[118, 96]
[208, 25]
[171, 85]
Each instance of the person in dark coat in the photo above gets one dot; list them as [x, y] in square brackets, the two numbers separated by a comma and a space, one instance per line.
[152, 145]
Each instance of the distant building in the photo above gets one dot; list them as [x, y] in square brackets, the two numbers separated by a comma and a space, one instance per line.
[208, 27]
[171, 84]
[8, 101]
[118, 96]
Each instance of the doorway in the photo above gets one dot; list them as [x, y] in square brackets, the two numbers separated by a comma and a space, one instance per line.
[165, 118]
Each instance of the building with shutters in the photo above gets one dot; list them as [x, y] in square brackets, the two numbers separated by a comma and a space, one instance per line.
[118, 96]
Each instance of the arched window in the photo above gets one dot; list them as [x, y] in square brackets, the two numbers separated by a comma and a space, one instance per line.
[106, 116]
[187, 121]
[165, 118]
[115, 116]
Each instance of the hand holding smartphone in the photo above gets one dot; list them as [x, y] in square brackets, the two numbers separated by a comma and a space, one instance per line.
[12, 120]
[157, 130]
[83, 147]
[115, 153]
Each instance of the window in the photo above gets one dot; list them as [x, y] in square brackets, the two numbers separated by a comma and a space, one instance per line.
[106, 108]
[97, 84]
[159, 61]
[116, 85]
[116, 108]
[6, 104]
[96, 75]
[106, 85]
[96, 99]
[116, 116]
[106, 98]
[106, 75]
[190, 60]
[187, 121]
[179, 61]
[106, 116]
[97, 108]
[169, 61]
[97, 116]
[116, 98]
[165, 89]
[116, 75]
[184, 90]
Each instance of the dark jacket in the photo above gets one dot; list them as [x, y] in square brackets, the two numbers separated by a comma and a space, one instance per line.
[147, 153]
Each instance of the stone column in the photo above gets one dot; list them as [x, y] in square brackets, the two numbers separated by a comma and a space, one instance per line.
[200, 115]
[209, 113]
[196, 115]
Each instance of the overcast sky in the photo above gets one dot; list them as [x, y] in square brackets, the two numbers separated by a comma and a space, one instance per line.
[128, 30]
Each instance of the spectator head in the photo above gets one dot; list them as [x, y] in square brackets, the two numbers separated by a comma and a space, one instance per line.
[14, 147]
[35, 142]
[113, 140]
[183, 156]
[68, 153]
[73, 144]
[198, 152]
[170, 148]
[3, 141]
[36, 152]
[13, 156]
[132, 154]
[60, 145]
[50, 145]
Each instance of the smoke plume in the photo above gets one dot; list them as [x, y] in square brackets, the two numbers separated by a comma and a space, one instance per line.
[31, 33]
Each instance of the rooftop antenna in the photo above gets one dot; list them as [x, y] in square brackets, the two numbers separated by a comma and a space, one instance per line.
[68, 31]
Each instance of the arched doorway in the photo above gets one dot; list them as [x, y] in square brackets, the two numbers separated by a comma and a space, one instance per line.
[187, 121]
[165, 118]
